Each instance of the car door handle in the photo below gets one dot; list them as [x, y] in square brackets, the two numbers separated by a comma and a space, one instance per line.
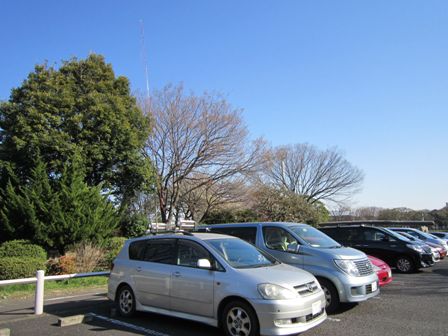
[176, 274]
[139, 269]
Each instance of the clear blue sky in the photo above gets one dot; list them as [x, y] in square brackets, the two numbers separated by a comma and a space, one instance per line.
[370, 77]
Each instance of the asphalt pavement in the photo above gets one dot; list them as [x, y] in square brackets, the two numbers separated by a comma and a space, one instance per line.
[412, 305]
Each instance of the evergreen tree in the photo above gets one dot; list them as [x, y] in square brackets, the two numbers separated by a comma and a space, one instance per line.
[80, 107]
[57, 210]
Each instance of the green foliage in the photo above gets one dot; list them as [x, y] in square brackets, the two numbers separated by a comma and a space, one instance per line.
[230, 216]
[19, 267]
[79, 108]
[134, 225]
[440, 216]
[56, 211]
[281, 205]
[112, 246]
[23, 249]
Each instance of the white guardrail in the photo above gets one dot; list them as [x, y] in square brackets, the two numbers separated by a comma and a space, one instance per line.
[40, 279]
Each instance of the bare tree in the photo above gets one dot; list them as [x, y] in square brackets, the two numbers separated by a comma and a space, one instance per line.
[199, 202]
[196, 141]
[315, 174]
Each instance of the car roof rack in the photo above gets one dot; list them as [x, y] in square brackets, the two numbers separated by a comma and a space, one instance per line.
[186, 233]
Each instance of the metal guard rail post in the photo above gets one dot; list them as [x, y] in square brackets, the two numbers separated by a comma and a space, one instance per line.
[40, 278]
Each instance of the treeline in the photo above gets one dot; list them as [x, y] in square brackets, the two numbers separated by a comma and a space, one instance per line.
[83, 159]
[440, 216]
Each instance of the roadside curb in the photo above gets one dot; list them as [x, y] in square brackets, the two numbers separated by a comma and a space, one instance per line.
[72, 320]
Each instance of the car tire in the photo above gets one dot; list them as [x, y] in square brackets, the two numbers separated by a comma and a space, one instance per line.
[239, 319]
[331, 295]
[404, 264]
[125, 301]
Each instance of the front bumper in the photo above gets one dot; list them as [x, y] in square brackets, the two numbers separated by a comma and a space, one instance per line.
[384, 277]
[358, 289]
[285, 317]
[426, 260]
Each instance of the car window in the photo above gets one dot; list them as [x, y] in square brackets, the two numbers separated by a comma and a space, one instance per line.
[189, 252]
[159, 251]
[279, 239]
[313, 237]
[240, 254]
[136, 249]
[376, 235]
[245, 233]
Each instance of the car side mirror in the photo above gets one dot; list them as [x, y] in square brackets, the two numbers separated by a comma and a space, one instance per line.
[385, 239]
[293, 248]
[204, 264]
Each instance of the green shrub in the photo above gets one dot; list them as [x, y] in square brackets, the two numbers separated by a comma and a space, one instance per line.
[19, 267]
[112, 247]
[22, 249]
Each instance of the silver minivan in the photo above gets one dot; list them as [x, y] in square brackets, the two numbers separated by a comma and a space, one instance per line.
[215, 279]
[345, 274]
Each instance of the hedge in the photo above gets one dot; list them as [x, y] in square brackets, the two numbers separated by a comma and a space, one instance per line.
[22, 249]
[20, 267]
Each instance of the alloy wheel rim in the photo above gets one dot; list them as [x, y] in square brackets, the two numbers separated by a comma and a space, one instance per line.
[238, 322]
[126, 301]
[404, 265]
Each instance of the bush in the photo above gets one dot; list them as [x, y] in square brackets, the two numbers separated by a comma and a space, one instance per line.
[62, 265]
[112, 247]
[134, 225]
[19, 267]
[22, 249]
[88, 256]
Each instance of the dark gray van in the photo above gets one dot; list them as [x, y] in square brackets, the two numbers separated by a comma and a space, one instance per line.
[345, 274]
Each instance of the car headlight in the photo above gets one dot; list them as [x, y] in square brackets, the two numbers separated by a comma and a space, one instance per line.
[376, 268]
[348, 266]
[417, 248]
[275, 292]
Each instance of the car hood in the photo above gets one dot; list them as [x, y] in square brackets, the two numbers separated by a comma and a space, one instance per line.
[281, 274]
[344, 253]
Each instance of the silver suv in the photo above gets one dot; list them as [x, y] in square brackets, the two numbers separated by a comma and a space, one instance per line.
[345, 274]
[215, 279]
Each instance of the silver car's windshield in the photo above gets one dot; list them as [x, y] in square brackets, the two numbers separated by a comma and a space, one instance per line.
[240, 254]
[314, 237]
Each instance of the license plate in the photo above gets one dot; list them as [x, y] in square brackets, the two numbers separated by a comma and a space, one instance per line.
[316, 307]
[374, 286]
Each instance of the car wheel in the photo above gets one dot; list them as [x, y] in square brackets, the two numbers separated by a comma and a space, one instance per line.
[331, 295]
[239, 319]
[125, 301]
[404, 265]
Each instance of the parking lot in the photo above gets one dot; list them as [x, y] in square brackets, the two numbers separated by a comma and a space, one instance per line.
[413, 304]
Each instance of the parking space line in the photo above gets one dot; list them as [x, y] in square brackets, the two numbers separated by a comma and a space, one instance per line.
[333, 319]
[73, 296]
[128, 325]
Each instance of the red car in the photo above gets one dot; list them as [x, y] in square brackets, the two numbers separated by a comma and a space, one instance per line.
[382, 270]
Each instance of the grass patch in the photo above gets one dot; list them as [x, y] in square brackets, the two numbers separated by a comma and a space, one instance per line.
[66, 286]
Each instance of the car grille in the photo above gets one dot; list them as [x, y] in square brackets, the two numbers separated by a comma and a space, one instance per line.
[307, 288]
[364, 267]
